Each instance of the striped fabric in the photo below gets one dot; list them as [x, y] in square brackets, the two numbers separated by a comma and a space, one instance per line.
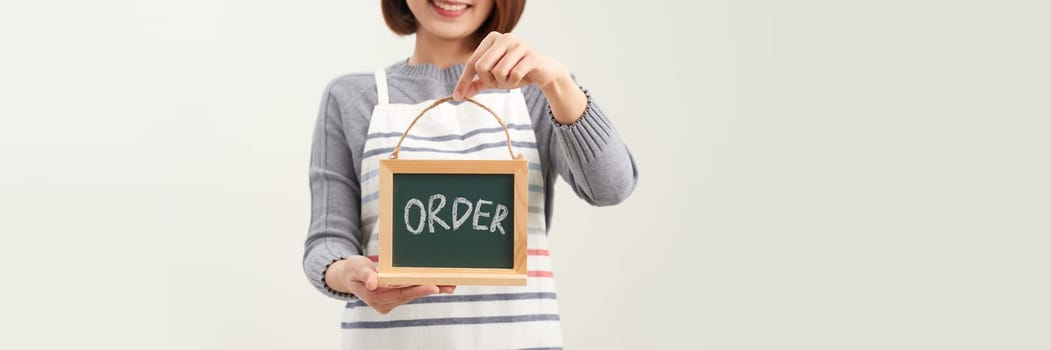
[475, 317]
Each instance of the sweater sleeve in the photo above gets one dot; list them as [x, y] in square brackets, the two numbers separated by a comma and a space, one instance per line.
[335, 197]
[589, 153]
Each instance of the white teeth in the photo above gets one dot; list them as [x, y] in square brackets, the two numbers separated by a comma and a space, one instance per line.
[450, 7]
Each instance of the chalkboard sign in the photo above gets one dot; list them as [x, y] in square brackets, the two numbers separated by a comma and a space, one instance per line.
[453, 222]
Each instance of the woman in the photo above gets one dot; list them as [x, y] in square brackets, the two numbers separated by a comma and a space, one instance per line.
[461, 49]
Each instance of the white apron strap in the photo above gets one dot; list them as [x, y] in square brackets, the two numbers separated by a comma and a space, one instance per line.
[381, 86]
[516, 92]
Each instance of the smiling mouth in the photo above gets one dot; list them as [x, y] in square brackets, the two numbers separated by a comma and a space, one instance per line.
[449, 8]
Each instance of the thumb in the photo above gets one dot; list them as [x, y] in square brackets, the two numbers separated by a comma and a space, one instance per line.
[472, 89]
[465, 80]
[366, 274]
[372, 281]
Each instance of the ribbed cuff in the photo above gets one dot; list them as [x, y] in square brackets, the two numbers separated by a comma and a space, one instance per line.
[319, 259]
[587, 137]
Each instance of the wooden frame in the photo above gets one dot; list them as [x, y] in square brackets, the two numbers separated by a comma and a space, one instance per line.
[393, 275]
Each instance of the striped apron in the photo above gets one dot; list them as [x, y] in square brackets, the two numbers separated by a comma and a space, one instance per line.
[474, 317]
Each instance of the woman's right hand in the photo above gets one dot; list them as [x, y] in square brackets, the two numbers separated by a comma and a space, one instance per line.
[357, 275]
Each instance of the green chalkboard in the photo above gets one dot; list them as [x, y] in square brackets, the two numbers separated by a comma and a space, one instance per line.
[453, 220]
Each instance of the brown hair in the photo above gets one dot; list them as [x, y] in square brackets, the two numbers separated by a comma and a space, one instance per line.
[503, 18]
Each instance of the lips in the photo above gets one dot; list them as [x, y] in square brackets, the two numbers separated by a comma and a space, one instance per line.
[449, 8]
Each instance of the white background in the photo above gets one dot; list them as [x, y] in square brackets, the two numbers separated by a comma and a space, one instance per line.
[814, 174]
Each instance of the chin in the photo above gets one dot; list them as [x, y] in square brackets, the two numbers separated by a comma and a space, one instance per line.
[450, 19]
[452, 34]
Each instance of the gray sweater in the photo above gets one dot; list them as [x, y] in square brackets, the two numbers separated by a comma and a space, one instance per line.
[589, 154]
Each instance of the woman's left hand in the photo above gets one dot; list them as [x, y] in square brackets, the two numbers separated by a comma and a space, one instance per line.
[501, 61]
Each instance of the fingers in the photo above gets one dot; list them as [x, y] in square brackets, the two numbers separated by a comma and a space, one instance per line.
[502, 69]
[406, 295]
[385, 299]
[517, 76]
[469, 71]
[484, 68]
[496, 54]
[441, 289]
[465, 80]
[472, 89]
[486, 65]
[497, 63]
